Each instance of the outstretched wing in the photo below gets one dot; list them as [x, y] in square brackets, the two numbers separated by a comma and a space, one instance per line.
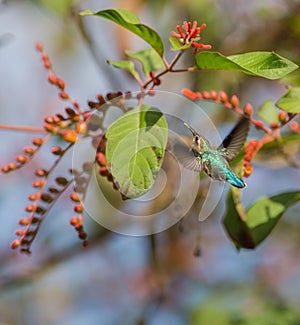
[235, 140]
[186, 157]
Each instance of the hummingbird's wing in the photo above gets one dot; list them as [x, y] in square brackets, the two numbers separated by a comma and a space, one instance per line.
[186, 157]
[235, 140]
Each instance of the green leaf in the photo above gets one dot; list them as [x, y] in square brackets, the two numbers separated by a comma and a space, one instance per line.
[149, 59]
[262, 64]
[125, 65]
[268, 112]
[135, 149]
[130, 21]
[290, 102]
[176, 45]
[261, 217]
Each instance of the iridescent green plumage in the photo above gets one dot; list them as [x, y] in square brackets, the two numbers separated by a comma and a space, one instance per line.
[201, 156]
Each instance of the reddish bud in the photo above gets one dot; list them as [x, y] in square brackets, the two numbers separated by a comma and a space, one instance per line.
[103, 171]
[49, 128]
[85, 243]
[75, 197]
[259, 124]
[101, 159]
[201, 46]
[294, 126]
[70, 136]
[234, 101]
[248, 157]
[206, 95]
[11, 166]
[38, 184]
[247, 170]
[79, 226]
[57, 151]
[282, 116]
[60, 83]
[81, 127]
[45, 57]
[39, 46]
[33, 197]
[29, 151]
[24, 221]
[70, 111]
[5, 169]
[273, 125]
[52, 78]
[40, 173]
[248, 109]
[29, 208]
[223, 97]
[110, 177]
[190, 94]
[37, 142]
[63, 95]
[19, 232]
[75, 220]
[82, 235]
[78, 208]
[76, 105]
[21, 159]
[16, 243]
[214, 95]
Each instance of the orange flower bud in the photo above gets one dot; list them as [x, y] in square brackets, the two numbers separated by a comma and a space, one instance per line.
[248, 109]
[63, 95]
[39, 46]
[234, 101]
[259, 124]
[81, 127]
[223, 97]
[16, 243]
[214, 95]
[37, 142]
[101, 159]
[30, 151]
[75, 220]
[21, 159]
[282, 116]
[248, 170]
[75, 197]
[60, 83]
[70, 136]
[78, 208]
[206, 95]
[52, 78]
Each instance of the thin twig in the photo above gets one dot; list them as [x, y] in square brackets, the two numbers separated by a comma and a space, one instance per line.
[22, 128]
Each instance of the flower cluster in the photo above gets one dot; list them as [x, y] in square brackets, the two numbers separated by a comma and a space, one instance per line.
[26, 156]
[251, 149]
[189, 33]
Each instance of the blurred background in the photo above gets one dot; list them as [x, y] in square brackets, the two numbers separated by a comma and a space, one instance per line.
[153, 279]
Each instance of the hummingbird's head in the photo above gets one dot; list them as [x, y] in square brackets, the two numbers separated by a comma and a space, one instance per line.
[199, 142]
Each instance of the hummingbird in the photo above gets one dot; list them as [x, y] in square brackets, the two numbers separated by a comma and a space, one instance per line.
[214, 162]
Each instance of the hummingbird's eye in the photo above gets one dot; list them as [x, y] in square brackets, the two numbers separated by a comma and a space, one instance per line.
[196, 139]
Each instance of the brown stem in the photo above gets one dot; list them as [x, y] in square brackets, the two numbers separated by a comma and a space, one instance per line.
[22, 128]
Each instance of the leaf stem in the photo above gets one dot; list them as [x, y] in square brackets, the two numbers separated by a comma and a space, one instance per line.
[22, 128]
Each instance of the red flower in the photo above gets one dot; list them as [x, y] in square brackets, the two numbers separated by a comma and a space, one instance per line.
[190, 34]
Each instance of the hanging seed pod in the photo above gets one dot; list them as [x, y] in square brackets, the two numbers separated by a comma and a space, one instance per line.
[46, 198]
[61, 181]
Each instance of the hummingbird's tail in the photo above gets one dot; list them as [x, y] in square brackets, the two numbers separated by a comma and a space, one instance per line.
[235, 181]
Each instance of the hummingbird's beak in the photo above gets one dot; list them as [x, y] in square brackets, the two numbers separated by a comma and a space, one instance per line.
[190, 128]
